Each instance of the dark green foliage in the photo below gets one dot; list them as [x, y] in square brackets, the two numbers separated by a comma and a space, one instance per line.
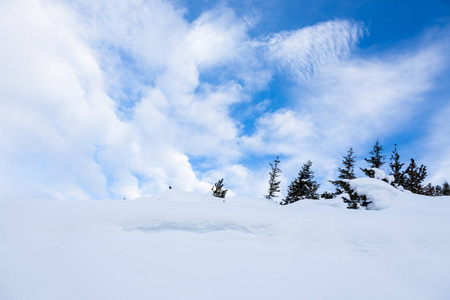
[429, 190]
[218, 190]
[354, 200]
[438, 191]
[445, 189]
[348, 171]
[414, 176]
[274, 184]
[327, 195]
[376, 160]
[435, 191]
[303, 186]
[396, 167]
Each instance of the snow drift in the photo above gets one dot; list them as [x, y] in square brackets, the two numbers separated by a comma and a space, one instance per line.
[181, 245]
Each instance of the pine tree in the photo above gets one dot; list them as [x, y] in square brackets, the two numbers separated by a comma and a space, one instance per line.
[438, 190]
[354, 200]
[327, 195]
[414, 176]
[445, 189]
[218, 190]
[429, 190]
[274, 184]
[303, 186]
[396, 166]
[348, 172]
[376, 160]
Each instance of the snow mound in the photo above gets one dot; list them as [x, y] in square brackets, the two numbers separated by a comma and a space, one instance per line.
[379, 192]
[379, 174]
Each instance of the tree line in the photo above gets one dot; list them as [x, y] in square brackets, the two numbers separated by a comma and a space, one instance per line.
[305, 187]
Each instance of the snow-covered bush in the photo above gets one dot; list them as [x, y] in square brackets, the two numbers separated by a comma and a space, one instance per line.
[218, 190]
[327, 195]
[350, 196]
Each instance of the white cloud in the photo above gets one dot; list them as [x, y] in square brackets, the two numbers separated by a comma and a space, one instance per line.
[313, 49]
[213, 41]
[64, 138]
[51, 96]
[72, 71]
[437, 146]
[282, 132]
[366, 98]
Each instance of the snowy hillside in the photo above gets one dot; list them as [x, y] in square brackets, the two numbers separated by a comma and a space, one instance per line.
[182, 245]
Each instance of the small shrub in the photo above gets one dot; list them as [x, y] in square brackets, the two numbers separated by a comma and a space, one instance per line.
[218, 190]
[327, 195]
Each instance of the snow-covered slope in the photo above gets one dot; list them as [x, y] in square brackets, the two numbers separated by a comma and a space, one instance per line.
[182, 245]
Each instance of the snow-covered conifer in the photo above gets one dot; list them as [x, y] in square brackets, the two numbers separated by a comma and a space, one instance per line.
[348, 171]
[414, 176]
[438, 190]
[303, 186]
[376, 160]
[218, 190]
[274, 183]
[354, 200]
[396, 167]
[429, 190]
[327, 195]
[445, 189]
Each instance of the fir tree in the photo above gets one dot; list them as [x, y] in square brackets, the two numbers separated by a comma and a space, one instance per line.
[396, 167]
[376, 160]
[303, 186]
[348, 171]
[274, 184]
[354, 200]
[414, 176]
[218, 190]
[327, 195]
[445, 189]
[429, 190]
[438, 190]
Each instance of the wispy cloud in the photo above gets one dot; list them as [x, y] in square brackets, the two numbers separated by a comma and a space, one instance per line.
[310, 50]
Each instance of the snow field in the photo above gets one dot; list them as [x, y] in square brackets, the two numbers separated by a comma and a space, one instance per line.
[182, 245]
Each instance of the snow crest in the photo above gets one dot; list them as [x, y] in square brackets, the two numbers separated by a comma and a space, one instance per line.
[379, 192]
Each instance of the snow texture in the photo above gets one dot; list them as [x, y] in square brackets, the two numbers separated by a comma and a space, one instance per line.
[379, 174]
[182, 245]
[379, 192]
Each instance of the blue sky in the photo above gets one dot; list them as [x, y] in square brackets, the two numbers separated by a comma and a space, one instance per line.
[112, 99]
